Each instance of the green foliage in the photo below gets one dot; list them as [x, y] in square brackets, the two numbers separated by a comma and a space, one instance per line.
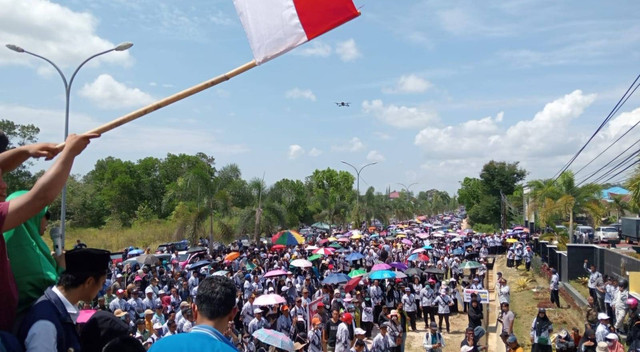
[484, 228]
[19, 135]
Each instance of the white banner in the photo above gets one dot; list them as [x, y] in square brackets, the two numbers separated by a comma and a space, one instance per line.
[482, 294]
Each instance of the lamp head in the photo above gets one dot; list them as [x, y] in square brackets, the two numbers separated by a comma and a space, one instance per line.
[15, 48]
[123, 46]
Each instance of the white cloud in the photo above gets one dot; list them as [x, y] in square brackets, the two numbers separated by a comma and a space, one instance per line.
[297, 93]
[547, 135]
[108, 93]
[314, 152]
[314, 48]
[400, 116]
[375, 156]
[410, 84]
[295, 151]
[354, 145]
[149, 140]
[348, 51]
[53, 31]
[381, 135]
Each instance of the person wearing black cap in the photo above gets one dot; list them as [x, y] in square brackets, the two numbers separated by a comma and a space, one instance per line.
[50, 324]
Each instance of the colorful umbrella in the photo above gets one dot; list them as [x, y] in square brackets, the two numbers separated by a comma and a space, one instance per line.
[278, 247]
[356, 237]
[419, 250]
[232, 256]
[269, 300]
[336, 278]
[399, 266]
[382, 274]
[301, 263]
[324, 251]
[274, 338]
[310, 248]
[314, 257]
[273, 273]
[354, 256]
[407, 242]
[357, 272]
[381, 266]
[335, 245]
[287, 238]
[351, 284]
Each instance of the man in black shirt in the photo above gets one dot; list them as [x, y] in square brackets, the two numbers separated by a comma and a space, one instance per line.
[331, 330]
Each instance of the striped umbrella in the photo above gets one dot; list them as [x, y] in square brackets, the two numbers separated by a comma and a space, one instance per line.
[287, 238]
[324, 251]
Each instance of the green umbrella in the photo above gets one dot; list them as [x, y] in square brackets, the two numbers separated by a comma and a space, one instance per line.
[314, 257]
[322, 226]
[250, 266]
[335, 245]
[470, 265]
[358, 272]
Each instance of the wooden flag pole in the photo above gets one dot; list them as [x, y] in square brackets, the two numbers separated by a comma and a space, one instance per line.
[170, 99]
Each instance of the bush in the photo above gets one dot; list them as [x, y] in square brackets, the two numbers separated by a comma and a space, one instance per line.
[484, 228]
[522, 283]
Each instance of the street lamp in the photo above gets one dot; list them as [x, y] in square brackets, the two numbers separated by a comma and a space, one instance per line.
[407, 188]
[67, 89]
[358, 171]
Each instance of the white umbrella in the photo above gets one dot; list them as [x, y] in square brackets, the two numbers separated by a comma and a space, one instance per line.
[269, 300]
[311, 248]
[301, 263]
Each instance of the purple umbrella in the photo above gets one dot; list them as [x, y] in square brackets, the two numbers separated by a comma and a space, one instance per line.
[399, 266]
[381, 266]
[407, 242]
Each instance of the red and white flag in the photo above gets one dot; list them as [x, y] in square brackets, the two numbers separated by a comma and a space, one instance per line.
[277, 26]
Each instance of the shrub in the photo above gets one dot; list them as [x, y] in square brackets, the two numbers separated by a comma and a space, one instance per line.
[522, 283]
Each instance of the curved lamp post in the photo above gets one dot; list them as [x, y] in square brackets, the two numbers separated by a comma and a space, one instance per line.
[67, 89]
[358, 171]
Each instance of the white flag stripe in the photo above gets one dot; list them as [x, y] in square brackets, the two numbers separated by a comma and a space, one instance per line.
[273, 27]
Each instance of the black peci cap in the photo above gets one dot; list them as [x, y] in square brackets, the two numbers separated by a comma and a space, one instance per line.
[87, 260]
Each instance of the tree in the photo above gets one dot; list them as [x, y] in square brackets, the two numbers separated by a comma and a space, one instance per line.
[575, 199]
[470, 192]
[19, 135]
[331, 194]
[633, 185]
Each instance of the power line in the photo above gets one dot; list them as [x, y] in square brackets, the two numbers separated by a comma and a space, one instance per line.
[606, 120]
[609, 163]
[616, 167]
[625, 169]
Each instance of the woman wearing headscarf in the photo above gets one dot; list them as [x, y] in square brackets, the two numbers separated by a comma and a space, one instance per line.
[541, 329]
[33, 266]
[588, 342]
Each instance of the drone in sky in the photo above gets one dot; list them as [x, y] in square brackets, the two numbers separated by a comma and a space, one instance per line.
[343, 104]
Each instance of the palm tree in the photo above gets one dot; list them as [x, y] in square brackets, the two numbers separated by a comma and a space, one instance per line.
[577, 199]
[633, 185]
[618, 205]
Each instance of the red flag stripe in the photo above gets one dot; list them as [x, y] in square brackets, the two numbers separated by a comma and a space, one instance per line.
[320, 16]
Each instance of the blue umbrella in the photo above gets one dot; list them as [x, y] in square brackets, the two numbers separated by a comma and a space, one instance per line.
[467, 244]
[354, 256]
[458, 251]
[382, 274]
[427, 247]
[336, 278]
[413, 257]
[135, 252]
[375, 235]
[198, 265]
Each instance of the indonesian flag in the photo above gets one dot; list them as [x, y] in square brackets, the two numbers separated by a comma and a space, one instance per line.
[277, 26]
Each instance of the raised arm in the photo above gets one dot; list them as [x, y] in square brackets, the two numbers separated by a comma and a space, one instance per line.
[12, 158]
[48, 186]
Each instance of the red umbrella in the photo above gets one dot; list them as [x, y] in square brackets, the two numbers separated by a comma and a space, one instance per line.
[423, 257]
[278, 247]
[351, 284]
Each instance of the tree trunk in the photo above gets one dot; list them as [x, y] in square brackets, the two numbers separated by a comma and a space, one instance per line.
[571, 226]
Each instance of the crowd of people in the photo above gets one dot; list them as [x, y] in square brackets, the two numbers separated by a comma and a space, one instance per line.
[331, 290]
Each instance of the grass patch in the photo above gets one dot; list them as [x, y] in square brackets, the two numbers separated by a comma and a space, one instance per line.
[580, 287]
[524, 304]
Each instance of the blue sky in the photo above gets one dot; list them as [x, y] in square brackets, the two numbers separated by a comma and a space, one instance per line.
[437, 88]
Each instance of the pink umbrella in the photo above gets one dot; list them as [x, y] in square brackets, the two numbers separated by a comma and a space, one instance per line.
[381, 266]
[344, 240]
[422, 235]
[324, 251]
[273, 273]
[407, 242]
[269, 300]
[419, 250]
